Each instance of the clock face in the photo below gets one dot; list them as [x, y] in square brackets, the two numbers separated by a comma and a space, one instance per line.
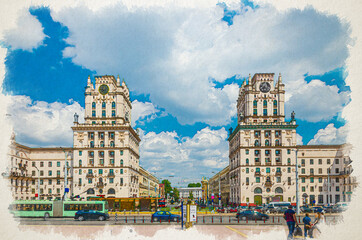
[103, 89]
[264, 87]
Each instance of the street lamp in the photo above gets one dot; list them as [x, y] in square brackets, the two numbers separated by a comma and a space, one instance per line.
[38, 181]
[65, 174]
[297, 181]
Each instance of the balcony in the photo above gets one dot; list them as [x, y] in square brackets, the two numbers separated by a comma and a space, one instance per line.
[278, 173]
[257, 174]
[111, 174]
[268, 184]
[89, 175]
[268, 163]
[257, 163]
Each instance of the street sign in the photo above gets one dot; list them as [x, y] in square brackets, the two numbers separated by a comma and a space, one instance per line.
[193, 213]
[36, 195]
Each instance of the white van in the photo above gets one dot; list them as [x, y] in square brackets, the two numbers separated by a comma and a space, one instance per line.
[278, 204]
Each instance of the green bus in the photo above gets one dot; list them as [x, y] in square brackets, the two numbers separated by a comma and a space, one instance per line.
[46, 208]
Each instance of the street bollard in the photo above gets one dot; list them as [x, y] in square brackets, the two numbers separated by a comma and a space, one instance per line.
[169, 220]
[264, 220]
[196, 219]
[299, 219]
[229, 219]
[238, 220]
[143, 219]
[126, 219]
[160, 220]
[278, 219]
[220, 219]
[151, 220]
[134, 219]
[203, 217]
[246, 220]
[212, 219]
[115, 217]
[255, 220]
[273, 219]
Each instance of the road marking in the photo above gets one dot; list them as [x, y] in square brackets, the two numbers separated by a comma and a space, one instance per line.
[232, 229]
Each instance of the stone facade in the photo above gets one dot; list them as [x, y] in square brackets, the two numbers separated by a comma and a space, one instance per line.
[185, 192]
[263, 149]
[149, 184]
[224, 179]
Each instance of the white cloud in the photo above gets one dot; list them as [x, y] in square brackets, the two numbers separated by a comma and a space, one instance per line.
[194, 156]
[330, 135]
[143, 111]
[28, 33]
[193, 46]
[41, 123]
[315, 101]
[299, 139]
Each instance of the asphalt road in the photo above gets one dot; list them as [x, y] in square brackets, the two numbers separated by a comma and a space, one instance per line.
[220, 219]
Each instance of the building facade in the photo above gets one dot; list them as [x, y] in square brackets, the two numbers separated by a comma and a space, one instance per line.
[187, 191]
[148, 183]
[219, 184]
[104, 159]
[263, 151]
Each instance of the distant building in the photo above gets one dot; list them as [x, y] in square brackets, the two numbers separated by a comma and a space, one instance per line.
[148, 183]
[221, 179]
[185, 192]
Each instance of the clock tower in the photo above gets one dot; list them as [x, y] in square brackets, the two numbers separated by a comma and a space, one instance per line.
[262, 146]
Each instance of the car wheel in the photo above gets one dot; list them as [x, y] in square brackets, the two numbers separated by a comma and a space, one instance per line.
[175, 219]
[155, 219]
[81, 218]
[243, 218]
[101, 218]
[46, 216]
[263, 218]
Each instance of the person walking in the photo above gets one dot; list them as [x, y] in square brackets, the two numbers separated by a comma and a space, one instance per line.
[291, 219]
[318, 220]
[307, 226]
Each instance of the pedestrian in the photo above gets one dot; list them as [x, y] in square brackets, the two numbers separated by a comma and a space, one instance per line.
[307, 226]
[291, 219]
[319, 219]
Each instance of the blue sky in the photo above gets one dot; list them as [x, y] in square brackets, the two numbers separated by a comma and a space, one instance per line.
[183, 67]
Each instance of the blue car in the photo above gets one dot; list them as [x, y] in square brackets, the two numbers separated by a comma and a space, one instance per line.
[164, 216]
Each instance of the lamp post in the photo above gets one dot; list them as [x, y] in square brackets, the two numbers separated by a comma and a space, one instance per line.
[65, 173]
[38, 181]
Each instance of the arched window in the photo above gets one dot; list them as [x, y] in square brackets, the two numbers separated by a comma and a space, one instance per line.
[103, 104]
[112, 144]
[91, 144]
[255, 103]
[266, 142]
[278, 190]
[113, 105]
[111, 191]
[121, 162]
[277, 142]
[102, 144]
[93, 105]
[258, 191]
[256, 143]
[265, 103]
[121, 171]
[80, 163]
[90, 191]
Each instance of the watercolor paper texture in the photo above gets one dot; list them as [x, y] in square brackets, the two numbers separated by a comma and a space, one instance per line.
[183, 63]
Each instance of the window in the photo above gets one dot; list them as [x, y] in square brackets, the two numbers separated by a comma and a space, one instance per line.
[93, 122]
[279, 179]
[247, 161]
[267, 144]
[121, 181]
[80, 171]
[111, 143]
[337, 170]
[101, 161]
[336, 161]
[113, 123]
[257, 170]
[89, 180]
[311, 180]
[311, 161]
[41, 173]
[91, 144]
[265, 112]
[303, 162]
[90, 171]
[111, 180]
[303, 170]
[256, 152]
[58, 181]
[33, 173]
[113, 105]
[256, 143]
[121, 152]
[258, 190]
[93, 105]
[102, 144]
[80, 153]
[267, 170]
[58, 173]
[247, 151]
[33, 164]
[255, 103]
[80, 163]
[289, 161]
[103, 113]
[275, 103]
[311, 171]
[257, 179]
[103, 104]
[320, 161]
[100, 171]
[277, 143]
[277, 152]
[113, 113]
[121, 171]
[41, 164]
[328, 161]
[265, 103]
[320, 180]
[101, 154]
[93, 113]
[289, 170]
[121, 162]
[320, 189]
[247, 170]
[275, 111]
[303, 189]
[49, 172]
[312, 189]
[255, 112]
[41, 181]
[303, 179]
[79, 181]
[337, 188]
[337, 180]
[49, 164]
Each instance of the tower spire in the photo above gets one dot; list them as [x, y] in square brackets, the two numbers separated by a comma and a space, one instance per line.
[118, 81]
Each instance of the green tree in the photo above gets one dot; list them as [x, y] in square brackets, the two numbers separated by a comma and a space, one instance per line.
[176, 194]
[194, 185]
[168, 187]
[191, 196]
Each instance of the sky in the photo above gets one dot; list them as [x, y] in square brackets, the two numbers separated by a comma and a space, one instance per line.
[183, 66]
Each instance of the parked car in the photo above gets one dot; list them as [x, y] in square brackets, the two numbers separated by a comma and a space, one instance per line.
[220, 210]
[306, 209]
[281, 209]
[328, 209]
[259, 208]
[164, 216]
[90, 214]
[251, 215]
[233, 210]
[317, 209]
